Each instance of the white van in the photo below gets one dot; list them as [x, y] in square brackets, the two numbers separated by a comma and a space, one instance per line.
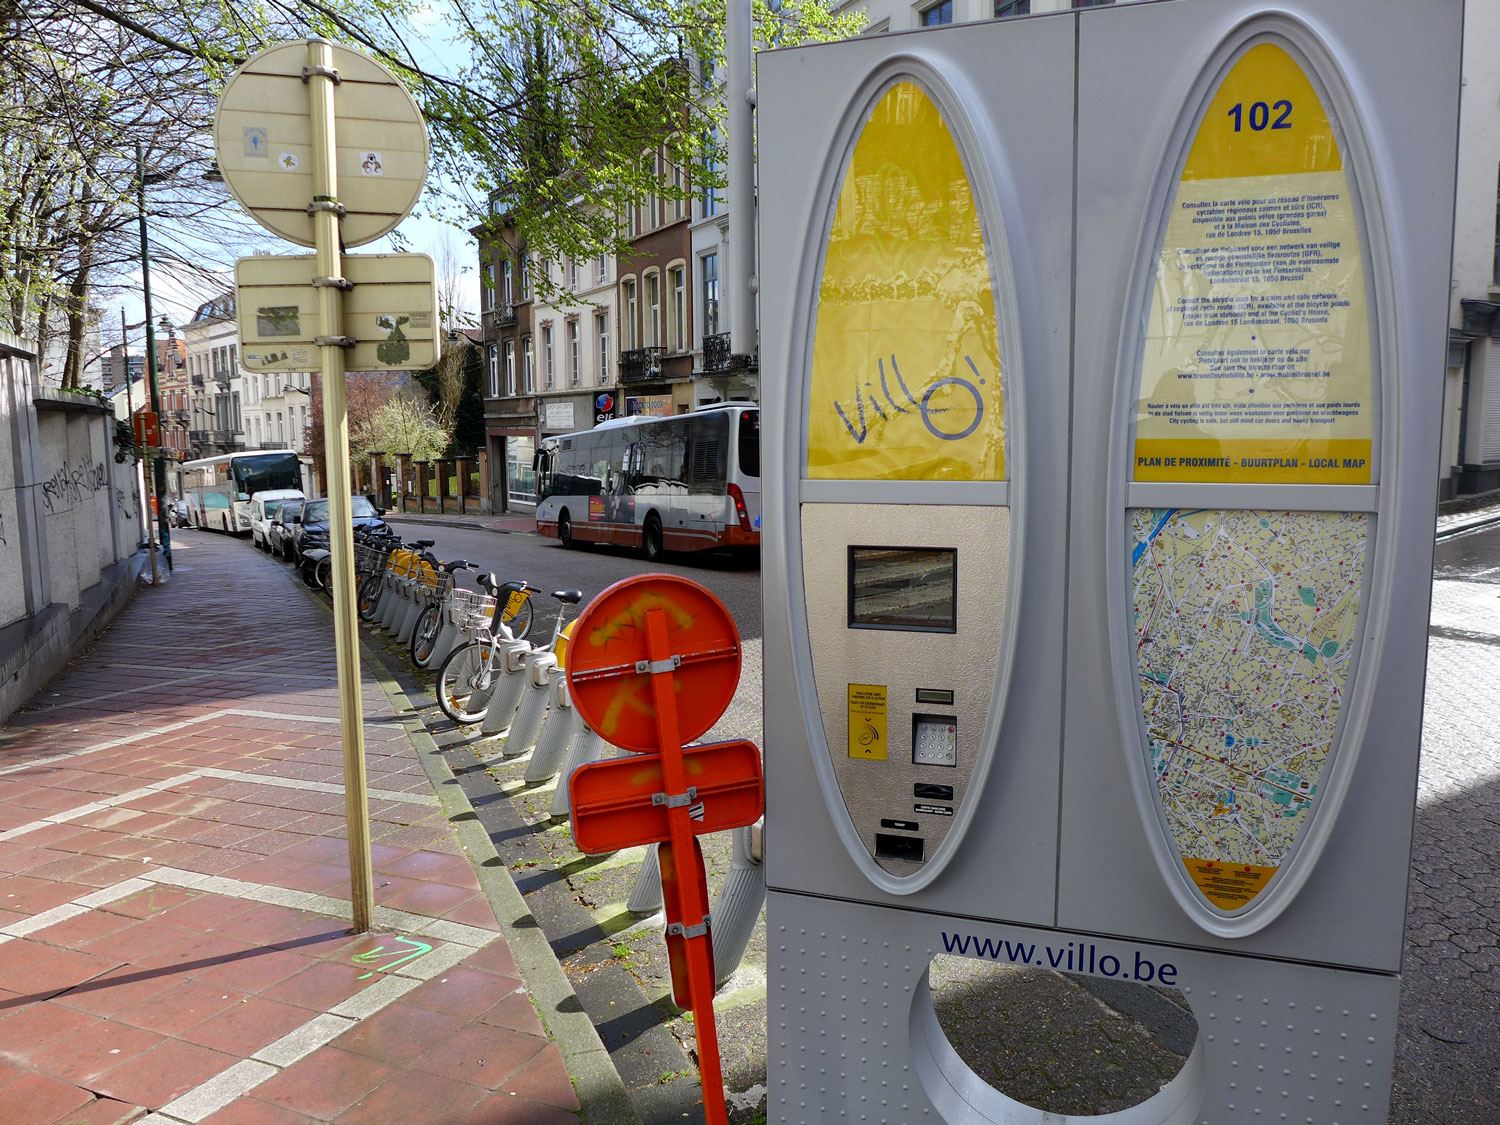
[263, 507]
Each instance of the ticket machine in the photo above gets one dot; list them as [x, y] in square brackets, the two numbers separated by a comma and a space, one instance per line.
[1098, 512]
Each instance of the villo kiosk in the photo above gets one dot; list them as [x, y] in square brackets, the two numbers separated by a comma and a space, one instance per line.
[1098, 509]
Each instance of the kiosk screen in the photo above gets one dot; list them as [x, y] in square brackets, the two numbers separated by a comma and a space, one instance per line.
[903, 588]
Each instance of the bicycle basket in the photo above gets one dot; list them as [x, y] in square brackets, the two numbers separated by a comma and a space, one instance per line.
[470, 610]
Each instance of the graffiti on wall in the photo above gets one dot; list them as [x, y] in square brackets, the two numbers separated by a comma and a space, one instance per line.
[126, 502]
[73, 484]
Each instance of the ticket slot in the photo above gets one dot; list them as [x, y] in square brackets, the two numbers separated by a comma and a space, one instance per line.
[907, 848]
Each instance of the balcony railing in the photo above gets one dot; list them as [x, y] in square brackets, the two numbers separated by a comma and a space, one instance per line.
[505, 315]
[274, 445]
[199, 437]
[716, 352]
[196, 378]
[226, 437]
[639, 365]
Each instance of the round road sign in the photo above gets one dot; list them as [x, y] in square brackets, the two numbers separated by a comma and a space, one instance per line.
[263, 142]
[609, 663]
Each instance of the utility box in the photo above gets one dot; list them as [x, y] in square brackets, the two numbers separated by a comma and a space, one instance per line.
[1099, 507]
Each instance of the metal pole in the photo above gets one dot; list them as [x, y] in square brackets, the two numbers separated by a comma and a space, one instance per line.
[159, 474]
[139, 473]
[321, 82]
[739, 97]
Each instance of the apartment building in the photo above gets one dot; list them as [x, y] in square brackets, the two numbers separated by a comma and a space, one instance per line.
[215, 379]
[574, 344]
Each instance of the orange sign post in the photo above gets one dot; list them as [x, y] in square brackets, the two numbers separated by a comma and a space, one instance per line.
[147, 430]
[654, 662]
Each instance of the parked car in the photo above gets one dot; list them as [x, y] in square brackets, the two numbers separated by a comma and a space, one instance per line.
[263, 506]
[279, 530]
[310, 527]
[177, 513]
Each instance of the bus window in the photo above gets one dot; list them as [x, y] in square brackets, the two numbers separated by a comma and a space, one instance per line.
[749, 443]
[707, 453]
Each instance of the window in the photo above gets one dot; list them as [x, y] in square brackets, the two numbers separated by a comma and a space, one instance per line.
[573, 274]
[1497, 232]
[525, 277]
[510, 367]
[575, 372]
[679, 196]
[602, 273]
[711, 173]
[507, 282]
[528, 371]
[494, 358]
[1091, 3]
[487, 288]
[710, 294]
[628, 329]
[676, 278]
[938, 14]
[547, 368]
[280, 428]
[1005, 8]
[652, 326]
[601, 333]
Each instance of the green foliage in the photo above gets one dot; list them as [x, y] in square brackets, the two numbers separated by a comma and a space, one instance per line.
[125, 447]
[405, 424]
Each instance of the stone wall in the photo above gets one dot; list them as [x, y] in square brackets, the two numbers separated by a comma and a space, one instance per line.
[69, 524]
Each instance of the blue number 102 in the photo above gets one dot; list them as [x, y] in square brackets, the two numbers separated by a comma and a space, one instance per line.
[1260, 115]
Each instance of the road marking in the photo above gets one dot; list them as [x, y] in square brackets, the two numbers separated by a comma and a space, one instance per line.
[104, 803]
[459, 943]
[169, 728]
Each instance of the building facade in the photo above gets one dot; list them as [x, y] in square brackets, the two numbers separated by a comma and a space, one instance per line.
[575, 344]
[510, 402]
[655, 300]
[215, 380]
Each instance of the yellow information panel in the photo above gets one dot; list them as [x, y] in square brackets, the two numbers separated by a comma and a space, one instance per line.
[905, 380]
[867, 722]
[1257, 361]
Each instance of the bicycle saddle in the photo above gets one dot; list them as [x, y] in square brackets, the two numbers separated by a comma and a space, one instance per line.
[419, 543]
[571, 597]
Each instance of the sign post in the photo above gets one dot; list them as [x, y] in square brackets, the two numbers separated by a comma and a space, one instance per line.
[653, 664]
[276, 136]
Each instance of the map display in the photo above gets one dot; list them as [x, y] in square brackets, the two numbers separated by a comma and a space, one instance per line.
[905, 379]
[1245, 626]
[1257, 361]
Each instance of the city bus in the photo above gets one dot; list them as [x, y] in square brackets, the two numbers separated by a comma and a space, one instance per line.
[218, 489]
[685, 483]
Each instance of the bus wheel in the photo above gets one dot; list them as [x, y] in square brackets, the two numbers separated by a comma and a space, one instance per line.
[651, 538]
[564, 529]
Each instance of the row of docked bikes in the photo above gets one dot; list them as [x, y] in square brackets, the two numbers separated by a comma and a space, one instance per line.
[494, 671]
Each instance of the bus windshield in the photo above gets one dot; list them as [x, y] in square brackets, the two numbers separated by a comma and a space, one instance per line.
[265, 474]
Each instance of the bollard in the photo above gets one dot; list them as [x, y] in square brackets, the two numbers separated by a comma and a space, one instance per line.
[740, 901]
[587, 747]
[509, 684]
[561, 727]
[408, 624]
[533, 706]
[645, 897]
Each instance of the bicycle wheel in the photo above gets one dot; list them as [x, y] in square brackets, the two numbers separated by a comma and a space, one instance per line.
[465, 671]
[323, 572]
[369, 595]
[424, 635]
[517, 614]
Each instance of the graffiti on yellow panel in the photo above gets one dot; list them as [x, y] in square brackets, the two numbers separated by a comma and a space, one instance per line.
[905, 381]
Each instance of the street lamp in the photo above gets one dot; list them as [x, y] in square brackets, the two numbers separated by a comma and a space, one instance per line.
[159, 466]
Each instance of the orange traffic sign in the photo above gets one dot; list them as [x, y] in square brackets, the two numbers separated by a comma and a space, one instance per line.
[147, 429]
[622, 802]
[610, 672]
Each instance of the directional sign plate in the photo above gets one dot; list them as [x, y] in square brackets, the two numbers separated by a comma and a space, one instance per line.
[611, 801]
[607, 674]
[263, 143]
[391, 312]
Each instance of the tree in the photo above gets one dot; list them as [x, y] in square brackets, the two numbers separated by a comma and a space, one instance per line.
[548, 104]
[365, 392]
[404, 424]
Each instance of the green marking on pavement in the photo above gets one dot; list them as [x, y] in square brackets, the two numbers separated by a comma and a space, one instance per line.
[413, 950]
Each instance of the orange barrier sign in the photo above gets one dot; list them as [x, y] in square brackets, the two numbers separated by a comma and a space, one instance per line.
[654, 663]
[620, 803]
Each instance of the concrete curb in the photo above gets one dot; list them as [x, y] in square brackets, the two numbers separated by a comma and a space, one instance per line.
[602, 1096]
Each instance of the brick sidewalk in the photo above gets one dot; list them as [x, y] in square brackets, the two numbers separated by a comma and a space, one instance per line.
[174, 891]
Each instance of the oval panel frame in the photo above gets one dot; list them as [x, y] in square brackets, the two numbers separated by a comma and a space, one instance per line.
[1378, 500]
